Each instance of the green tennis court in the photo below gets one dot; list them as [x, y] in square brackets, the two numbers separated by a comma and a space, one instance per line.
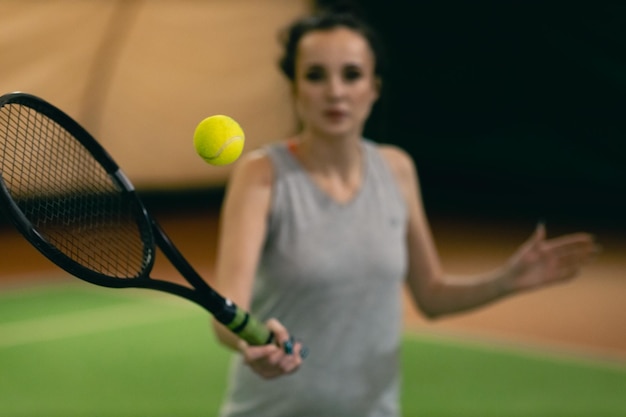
[79, 350]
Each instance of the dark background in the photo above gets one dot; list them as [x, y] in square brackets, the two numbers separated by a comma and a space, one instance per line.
[508, 107]
[512, 109]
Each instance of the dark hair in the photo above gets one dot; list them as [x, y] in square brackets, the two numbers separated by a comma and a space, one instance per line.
[326, 20]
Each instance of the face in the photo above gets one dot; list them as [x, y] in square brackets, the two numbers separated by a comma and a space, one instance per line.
[335, 85]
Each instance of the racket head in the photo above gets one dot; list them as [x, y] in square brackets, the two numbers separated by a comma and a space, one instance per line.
[68, 197]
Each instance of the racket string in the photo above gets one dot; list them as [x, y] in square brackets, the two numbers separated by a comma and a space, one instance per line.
[68, 196]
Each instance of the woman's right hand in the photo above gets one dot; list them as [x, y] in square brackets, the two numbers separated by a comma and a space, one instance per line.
[276, 359]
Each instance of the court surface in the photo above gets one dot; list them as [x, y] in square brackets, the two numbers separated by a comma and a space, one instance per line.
[69, 348]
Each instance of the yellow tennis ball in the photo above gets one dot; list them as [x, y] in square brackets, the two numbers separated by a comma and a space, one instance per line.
[219, 140]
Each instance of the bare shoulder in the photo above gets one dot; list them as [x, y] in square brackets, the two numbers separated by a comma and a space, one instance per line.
[400, 162]
[254, 168]
[403, 169]
[249, 187]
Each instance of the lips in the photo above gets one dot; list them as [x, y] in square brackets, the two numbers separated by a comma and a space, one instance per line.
[335, 114]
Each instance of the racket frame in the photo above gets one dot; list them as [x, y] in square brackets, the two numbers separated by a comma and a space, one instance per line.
[153, 236]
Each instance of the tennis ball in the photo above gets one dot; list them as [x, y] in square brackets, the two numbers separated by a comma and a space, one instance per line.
[219, 140]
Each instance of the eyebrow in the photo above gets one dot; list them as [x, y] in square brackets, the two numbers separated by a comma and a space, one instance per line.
[347, 64]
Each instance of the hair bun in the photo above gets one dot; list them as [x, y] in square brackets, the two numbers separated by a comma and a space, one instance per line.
[340, 7]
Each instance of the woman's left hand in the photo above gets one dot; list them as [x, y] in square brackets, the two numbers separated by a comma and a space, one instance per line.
[540, 261]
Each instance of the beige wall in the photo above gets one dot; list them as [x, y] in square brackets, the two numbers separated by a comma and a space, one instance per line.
[140, 75]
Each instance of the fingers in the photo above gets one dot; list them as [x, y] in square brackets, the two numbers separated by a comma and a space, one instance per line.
[576, 245]
[273, 360]
[571, 245]
[540, 232]
[542, 261]
[287, 342]
[574, 237]
[569, 253]
[281, 335]
[538, 236]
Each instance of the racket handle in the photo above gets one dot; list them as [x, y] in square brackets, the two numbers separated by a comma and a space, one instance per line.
[244, 325]
[250, 329]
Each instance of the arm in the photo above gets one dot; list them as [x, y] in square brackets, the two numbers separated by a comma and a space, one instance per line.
[536, 263]
[241, 235]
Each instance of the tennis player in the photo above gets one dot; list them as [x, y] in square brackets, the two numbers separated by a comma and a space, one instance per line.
[320, 233]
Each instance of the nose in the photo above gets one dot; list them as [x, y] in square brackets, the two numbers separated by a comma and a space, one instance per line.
[335, 87]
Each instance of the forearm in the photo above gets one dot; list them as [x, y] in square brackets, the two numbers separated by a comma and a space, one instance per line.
[225, 336]
[450, 294]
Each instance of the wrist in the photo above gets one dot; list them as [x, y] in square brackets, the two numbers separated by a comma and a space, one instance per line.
[241, 346]
[503, 282]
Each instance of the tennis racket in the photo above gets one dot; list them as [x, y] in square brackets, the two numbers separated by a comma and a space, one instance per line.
[71, 201]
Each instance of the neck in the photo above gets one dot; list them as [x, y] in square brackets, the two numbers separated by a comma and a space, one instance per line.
[322, 154]
[336, 167]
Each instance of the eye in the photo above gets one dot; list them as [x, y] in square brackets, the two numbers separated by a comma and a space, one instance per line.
[352, 73]
[315, 74]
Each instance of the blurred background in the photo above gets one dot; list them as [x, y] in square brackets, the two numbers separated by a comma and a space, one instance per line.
[510, 106]
[513, 111]
[505, 106]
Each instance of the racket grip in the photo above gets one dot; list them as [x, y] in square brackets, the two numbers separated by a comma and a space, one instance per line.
[244, 325]
[248, 328]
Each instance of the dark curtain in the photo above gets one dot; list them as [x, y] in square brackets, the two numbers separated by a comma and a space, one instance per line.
[507, 106]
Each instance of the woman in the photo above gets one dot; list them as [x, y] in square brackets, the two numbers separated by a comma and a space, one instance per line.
[320, 232]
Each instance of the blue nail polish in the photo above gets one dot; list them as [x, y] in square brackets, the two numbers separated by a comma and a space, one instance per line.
[304, 352]
[288, 347]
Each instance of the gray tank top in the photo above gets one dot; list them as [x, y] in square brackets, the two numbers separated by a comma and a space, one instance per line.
[333, 274]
